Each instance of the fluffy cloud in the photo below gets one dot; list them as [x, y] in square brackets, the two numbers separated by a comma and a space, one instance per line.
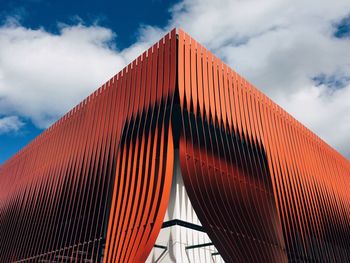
[43, 75]
[10, 124]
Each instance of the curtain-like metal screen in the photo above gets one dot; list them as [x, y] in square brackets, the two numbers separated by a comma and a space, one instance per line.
[95, 186]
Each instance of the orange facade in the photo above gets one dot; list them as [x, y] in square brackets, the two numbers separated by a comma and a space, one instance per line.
[95, 185]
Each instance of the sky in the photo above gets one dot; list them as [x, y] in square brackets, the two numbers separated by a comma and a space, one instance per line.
[55, 53]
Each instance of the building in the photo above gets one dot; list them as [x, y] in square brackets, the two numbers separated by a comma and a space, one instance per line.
[177, 158]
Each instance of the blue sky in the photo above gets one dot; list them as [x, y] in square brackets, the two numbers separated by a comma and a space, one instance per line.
[55, 53]
[123, 17]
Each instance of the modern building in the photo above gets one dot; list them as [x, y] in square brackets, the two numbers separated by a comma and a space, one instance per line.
[177, 158]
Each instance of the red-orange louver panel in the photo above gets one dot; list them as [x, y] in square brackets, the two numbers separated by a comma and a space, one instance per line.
[144, 164]
[265, 188]
[95, 186]
[97, 181]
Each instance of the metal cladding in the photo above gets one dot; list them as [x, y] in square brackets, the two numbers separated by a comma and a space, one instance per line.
[97, 181]
[95, 185]
[265, 188]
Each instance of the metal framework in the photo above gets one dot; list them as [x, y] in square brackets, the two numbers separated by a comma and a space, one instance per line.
[95, 185]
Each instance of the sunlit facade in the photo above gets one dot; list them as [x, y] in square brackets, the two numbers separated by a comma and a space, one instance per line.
[177, 158]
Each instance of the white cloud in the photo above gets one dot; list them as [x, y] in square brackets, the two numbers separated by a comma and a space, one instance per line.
[43, 75]
[10, 124]
[326, 113]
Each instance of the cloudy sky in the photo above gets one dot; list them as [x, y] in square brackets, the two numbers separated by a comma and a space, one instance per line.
[54, 53]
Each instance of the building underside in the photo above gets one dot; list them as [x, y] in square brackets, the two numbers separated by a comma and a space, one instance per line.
[176, 158]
